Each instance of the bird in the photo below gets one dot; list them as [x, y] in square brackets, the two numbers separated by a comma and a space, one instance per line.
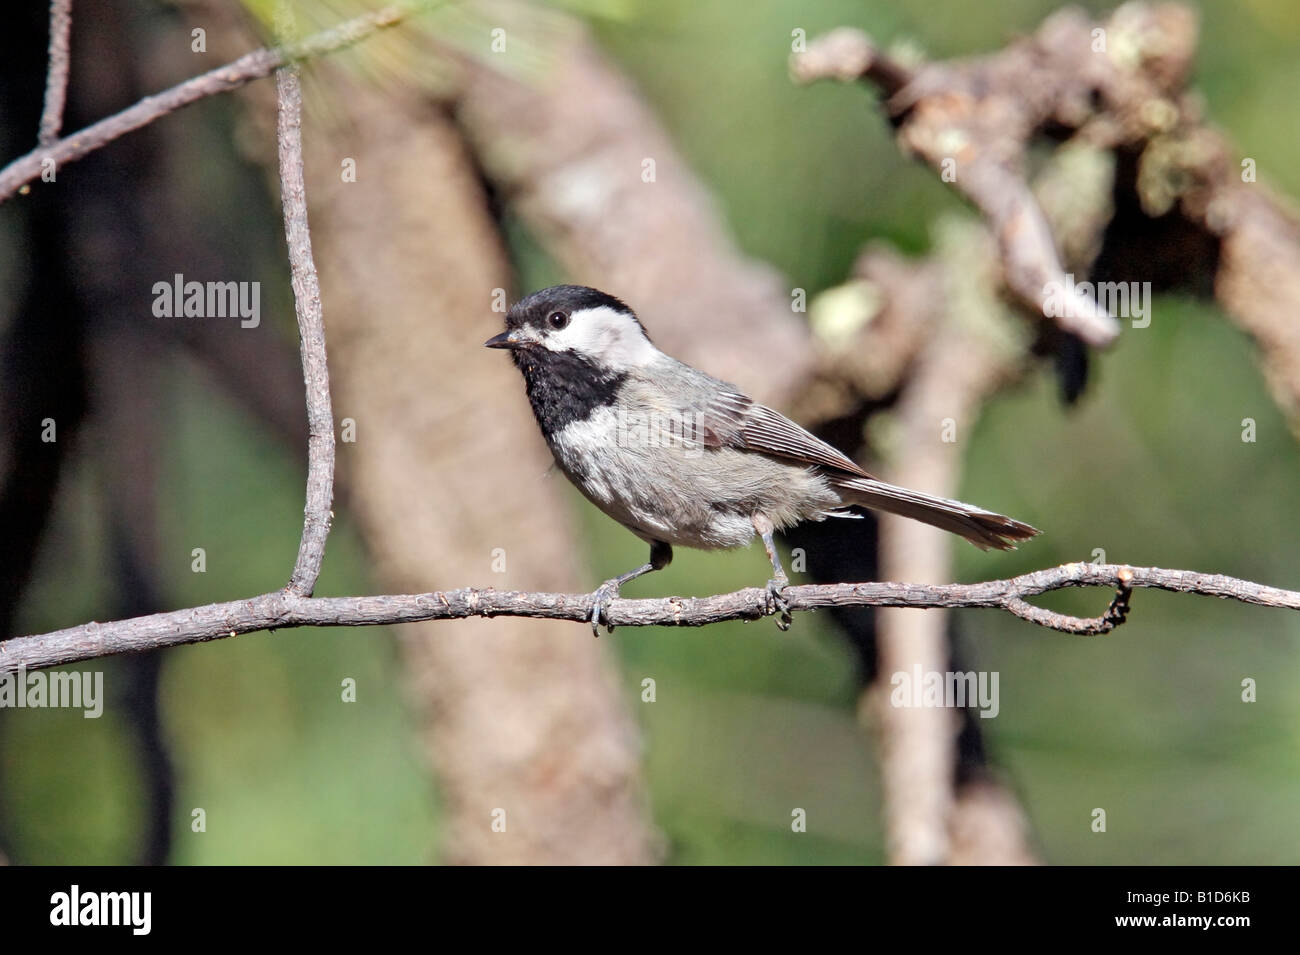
[679, 457]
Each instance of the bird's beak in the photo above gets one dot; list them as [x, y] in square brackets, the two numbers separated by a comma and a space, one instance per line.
[504, 340]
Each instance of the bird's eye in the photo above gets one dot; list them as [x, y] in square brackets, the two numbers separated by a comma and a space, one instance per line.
[557, 320]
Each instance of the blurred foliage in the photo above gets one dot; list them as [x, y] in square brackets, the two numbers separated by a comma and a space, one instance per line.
[750, 723]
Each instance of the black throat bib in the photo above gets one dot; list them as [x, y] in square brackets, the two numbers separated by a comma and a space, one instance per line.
[565, 388]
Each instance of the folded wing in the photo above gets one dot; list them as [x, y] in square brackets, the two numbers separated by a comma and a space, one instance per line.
[734, 420]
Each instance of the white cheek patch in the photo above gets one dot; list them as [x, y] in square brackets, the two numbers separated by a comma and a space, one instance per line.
[613, 337]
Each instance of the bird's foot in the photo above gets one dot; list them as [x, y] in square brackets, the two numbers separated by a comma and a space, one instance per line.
[776, 603]
[600, 606]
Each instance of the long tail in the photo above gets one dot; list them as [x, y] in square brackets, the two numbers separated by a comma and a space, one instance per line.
[982, 528]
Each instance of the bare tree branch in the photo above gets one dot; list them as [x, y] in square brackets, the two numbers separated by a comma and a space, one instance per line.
[311, 330]
[282, 609]
[975, 135]
[56, 82]
[251, 66]
[983, 114]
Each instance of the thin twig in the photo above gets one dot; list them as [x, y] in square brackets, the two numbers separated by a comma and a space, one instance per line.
[56, 78]
[311, 331]
[282, 609]
[251, 66]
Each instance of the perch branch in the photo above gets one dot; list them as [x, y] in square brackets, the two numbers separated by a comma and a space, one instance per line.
[251, 66]
[284, 609]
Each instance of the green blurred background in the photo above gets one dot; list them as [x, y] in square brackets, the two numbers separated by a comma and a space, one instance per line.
[1149, 466]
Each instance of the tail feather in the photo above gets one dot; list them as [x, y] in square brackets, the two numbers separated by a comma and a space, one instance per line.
[982, 528]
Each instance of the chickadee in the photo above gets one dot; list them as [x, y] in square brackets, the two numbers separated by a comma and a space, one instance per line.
[679, 457]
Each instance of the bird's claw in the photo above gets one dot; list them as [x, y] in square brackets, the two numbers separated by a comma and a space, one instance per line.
[776, 603]
[600, 606]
